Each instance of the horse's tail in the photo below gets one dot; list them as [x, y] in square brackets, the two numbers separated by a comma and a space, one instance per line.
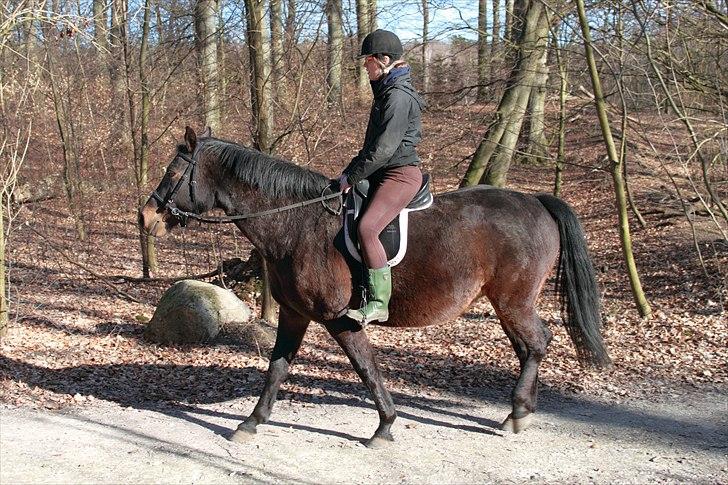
[576, 285]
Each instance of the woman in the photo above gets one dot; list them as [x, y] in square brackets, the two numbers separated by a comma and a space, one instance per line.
[388, 160]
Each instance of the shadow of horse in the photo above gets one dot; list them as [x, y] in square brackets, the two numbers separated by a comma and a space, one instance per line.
[175, 390]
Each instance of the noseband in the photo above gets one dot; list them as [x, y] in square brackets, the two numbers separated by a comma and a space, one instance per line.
[166, 203]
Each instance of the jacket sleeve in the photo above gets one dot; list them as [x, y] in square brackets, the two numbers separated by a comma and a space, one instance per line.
[387, 138]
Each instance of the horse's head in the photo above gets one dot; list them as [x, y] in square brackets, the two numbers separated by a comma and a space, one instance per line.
[180, 188]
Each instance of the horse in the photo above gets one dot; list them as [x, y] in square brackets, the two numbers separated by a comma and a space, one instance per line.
[472, 242]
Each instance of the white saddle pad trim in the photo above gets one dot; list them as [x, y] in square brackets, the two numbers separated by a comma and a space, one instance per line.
[403, 232]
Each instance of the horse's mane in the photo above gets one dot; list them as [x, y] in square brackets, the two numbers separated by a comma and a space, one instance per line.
[276, 178]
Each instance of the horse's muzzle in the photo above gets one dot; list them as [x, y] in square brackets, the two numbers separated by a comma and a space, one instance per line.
[151, 221]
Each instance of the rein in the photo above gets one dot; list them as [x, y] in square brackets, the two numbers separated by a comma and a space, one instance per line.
[183, 216]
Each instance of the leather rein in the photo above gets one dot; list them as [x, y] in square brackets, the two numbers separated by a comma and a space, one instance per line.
[167, 202]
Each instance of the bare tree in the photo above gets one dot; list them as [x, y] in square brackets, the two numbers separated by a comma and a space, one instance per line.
[334, 51]
[483, 57]
[425, 45]
[372, 10]
[616, 167]
[207, 52]
[493, 157]
[363, 27]
[276, 40]
[260, 86]
[537, 148]
[259, 47]
[61, 99]
[101, 22]
[149, 254]
[496, 43]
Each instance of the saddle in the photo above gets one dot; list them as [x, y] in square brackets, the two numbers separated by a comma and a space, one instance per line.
[394, 235]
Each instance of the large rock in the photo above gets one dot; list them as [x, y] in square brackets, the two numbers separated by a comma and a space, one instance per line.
[194, 312]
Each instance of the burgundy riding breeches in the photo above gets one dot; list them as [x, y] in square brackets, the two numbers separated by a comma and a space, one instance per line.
[394, 189]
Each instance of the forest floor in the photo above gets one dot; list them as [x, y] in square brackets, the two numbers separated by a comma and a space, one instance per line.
[85, 398]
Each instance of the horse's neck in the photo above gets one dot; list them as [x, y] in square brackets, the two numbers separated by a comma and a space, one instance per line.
[275, 235]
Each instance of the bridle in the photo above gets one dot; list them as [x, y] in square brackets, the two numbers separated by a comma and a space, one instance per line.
[167, 202]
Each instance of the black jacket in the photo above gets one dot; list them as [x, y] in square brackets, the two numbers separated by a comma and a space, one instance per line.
[394, 129]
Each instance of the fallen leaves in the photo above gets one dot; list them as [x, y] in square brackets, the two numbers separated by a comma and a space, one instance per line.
[73, 341]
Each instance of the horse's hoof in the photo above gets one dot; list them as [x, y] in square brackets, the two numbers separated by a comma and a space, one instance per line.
[379, 442]
[516, 425]
[242, 435]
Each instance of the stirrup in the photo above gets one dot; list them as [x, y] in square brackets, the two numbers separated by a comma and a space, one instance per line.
[359, 317]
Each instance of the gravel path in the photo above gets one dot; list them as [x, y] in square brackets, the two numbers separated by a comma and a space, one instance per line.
[446, 440]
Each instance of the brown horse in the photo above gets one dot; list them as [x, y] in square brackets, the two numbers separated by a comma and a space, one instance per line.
[472, 242]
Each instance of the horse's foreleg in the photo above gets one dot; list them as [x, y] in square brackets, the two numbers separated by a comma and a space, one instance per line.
[357, 347]
[291, 329]
[530, 338]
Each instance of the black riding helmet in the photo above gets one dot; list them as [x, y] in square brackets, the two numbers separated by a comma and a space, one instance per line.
[382, 42]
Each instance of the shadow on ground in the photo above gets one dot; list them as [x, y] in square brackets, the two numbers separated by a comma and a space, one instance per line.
[174, 390]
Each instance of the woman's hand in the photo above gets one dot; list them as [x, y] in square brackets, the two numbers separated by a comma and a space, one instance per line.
[344, 183]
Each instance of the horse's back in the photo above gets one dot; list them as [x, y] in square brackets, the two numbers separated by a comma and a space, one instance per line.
[471, 242]
[514, 217]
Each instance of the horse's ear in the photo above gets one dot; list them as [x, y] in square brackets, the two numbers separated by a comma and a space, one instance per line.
[207, 133]
[190, 139]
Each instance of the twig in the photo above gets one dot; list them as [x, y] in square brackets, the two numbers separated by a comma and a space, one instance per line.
[169, 279]
[100, 277]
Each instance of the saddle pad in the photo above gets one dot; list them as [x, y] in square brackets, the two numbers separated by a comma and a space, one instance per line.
[393, 237]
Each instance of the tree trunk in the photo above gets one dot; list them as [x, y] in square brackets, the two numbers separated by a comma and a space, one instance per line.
[117, 68]
[101, 20]
[335, 49]
[3, 287]
[118, 30]
[71, 176]
[149, 254]
[206, 42]
[362, 29]
[290, 25]
[537, 150]
[221, 78]
[509, 34]
[492, 159]
[425, 45]
[482, 93]
[260, 95]
[639, 297]
[276, 40]
[267, 304]
[372, 9]
[496, 44]
[560, 157]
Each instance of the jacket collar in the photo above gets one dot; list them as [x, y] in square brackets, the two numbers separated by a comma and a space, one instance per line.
[398, 75]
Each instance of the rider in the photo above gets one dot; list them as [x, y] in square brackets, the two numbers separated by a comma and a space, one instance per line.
[388, 160]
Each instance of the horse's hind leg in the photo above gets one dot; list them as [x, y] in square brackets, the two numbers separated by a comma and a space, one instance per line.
[291, 329]
[530, 337]
[357, 347]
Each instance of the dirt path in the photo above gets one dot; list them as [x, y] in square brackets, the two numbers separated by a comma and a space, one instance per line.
[448, 440]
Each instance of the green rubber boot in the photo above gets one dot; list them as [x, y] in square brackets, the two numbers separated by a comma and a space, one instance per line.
[380, 290]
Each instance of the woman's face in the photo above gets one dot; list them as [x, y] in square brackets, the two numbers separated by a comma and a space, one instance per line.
[373, 67]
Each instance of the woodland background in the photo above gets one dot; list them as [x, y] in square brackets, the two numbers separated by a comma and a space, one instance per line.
[621, 112]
